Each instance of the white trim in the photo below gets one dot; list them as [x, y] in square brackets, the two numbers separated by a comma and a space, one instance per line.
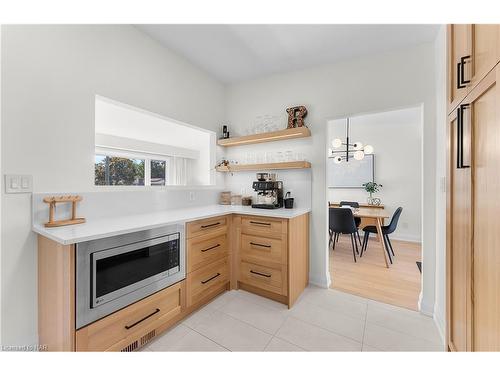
[440, 324]
[322, 282]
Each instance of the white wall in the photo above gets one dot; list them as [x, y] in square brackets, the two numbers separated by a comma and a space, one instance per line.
[50, 76]
[441, 104]
[397, 140]
[397, 79]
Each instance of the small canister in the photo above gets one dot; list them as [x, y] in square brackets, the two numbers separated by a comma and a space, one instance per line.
[288, 200]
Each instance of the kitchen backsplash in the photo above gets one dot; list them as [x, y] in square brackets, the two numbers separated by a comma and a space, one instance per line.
[115, 203]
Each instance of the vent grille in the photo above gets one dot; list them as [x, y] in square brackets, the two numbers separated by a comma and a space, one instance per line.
[148, 337]
[131, 347]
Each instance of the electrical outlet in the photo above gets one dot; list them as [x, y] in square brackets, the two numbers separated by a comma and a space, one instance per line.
[191, 196]
[16, 183]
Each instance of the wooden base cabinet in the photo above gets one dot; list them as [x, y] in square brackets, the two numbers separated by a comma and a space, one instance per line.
[267, 256]
[473, 238]
[272, 256]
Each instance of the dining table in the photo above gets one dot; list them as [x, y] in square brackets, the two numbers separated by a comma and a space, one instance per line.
[378, 214]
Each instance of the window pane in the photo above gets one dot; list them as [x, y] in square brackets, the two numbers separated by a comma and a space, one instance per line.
[123, 171]
[158, 168]
[100, 170]
[111, 170]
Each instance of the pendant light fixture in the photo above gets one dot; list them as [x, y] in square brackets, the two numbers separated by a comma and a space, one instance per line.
[359, 150]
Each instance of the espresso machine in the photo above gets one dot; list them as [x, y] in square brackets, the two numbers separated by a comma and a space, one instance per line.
[269, 194]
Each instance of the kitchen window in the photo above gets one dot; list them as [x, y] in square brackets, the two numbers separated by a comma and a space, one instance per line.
[115, 170]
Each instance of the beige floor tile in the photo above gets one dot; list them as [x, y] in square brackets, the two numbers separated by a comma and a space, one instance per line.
[264, 318]
[279, 345]
[169, 338]
[389, 340]
[194, 342]
[406, 321]
[336, 301]
[232, 333]
[313, 338]
[368, 348]
[196, 317]
[342, 324]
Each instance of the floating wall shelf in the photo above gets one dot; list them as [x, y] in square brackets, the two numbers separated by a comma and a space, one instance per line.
[265, 166]
[279, 135]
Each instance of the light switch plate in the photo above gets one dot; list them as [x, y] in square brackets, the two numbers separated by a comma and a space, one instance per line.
[17, 183]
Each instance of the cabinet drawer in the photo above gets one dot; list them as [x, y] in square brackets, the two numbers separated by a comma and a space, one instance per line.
[263, 226]
[257, 248]
[143, 315]
[202, 251]
[207, 226]
[206, 280]
[271, 279]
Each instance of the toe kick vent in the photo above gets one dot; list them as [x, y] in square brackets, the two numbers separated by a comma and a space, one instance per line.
[131, 347]
[148, 337]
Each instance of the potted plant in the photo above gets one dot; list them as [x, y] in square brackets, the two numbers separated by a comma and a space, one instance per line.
[371, 188]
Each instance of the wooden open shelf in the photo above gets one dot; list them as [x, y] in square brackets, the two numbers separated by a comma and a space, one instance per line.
[265, 166]
[279, 135]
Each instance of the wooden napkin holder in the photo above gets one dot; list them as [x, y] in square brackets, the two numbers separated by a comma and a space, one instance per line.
[73, 199]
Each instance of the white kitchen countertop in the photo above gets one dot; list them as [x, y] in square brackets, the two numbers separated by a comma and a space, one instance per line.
[112, 226]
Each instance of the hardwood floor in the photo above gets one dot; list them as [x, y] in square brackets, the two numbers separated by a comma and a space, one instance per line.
[399, 285]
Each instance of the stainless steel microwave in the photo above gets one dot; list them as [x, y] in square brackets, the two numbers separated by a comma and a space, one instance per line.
[114, 272]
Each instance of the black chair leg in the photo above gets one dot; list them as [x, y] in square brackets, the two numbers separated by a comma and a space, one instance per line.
[331, 235]
[353, 251]
[365, 242]
[338, 235]
[387, 248]
[390, 245]
[359, 238]
[333, 241]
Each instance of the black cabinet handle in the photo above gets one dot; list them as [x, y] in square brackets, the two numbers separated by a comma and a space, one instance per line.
[210, 225]
[460, 136]
[143, 319]
[213, 277]
[461, 81]
[259, 273]
[260, 223]
[259, 244]
[210, 248]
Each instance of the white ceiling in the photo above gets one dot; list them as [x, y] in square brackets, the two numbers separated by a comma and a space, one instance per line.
[233, 53]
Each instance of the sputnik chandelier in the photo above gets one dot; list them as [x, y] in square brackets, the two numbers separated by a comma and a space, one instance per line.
[356, 149]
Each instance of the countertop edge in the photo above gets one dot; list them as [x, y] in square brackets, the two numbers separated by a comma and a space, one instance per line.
[228, 210]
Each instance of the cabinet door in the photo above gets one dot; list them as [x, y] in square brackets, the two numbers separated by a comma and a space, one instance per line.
[485, 117]
[459, 243]
[485, 52]
[458, 49]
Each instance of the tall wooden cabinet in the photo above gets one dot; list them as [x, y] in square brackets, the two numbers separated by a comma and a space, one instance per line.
[473, 235]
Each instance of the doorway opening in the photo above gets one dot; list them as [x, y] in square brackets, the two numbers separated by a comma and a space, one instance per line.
[385, 268]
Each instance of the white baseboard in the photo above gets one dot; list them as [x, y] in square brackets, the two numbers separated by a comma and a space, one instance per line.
[440, 323]
[424, 307]
[320, 281]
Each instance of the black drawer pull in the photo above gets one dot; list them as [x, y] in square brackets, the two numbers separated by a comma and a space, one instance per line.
[213, 277]
[210, 225]
[210, 248]
[260, 223]
[260, 274]
[259, 244]
[143, 319]
[461, 81]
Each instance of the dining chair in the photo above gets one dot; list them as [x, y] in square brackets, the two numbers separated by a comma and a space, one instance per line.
[386, 230]
[357, 220]
[341, 220]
